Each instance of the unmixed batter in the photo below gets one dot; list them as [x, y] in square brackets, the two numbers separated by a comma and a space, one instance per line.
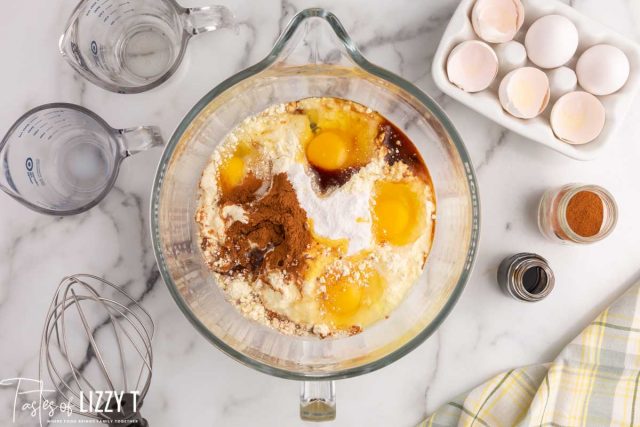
[316, 217]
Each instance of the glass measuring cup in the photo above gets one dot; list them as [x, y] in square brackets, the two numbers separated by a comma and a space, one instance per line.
[130, 46]
[62, 159]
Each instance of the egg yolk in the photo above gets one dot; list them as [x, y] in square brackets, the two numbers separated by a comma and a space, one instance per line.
[328, 150]
[343, 297]
[343, 138]
[392, 216]
[349, 300]
[233, 170]
[397, 213]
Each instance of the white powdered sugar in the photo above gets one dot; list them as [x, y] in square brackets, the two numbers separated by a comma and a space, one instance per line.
[343, 214]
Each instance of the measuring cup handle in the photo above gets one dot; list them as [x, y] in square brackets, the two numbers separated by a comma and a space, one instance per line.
[137, 140]
[318, 401]
[198, 20]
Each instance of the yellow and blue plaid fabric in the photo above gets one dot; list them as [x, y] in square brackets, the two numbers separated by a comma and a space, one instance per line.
[594, 382]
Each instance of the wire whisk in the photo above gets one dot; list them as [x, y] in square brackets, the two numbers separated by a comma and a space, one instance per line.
[93, 346]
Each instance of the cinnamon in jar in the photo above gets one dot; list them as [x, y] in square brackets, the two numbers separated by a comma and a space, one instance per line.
[577, 213]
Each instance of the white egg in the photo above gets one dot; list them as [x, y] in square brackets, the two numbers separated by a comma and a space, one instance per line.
[602, 69]
[497, 21]
[551, 41]
[524, 92]
[562, 80]
[472, 66]
[577, 117]
[511, 55]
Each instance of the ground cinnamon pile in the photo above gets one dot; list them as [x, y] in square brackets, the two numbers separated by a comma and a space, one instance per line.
[243, 193]
[585, 213]
[273, 238]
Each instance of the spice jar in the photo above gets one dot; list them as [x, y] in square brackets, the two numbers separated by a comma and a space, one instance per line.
[577, 213]
[526, 277]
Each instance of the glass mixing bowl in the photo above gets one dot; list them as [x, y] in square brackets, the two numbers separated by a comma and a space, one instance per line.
[314, 57]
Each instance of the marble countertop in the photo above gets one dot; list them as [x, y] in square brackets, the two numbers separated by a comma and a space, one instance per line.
[485, 334]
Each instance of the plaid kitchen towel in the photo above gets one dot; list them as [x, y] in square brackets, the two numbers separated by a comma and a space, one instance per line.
[594, 382]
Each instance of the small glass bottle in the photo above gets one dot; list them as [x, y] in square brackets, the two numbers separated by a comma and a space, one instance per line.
[552, 214]
[526, 277]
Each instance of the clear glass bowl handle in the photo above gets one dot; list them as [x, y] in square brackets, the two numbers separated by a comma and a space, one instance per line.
[318, 400]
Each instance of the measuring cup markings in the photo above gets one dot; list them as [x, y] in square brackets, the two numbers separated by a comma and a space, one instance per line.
[134, 45]
[29, 126]
[47, 125]
[35, 178]
[106, 8]
[62, 159]
[121, 15]
[95, 7]
[98, 11]
[36, 125]
[46, 132]
[26, 126]
[101, 13]
[57, 130]
[55, 125]
[97, 56]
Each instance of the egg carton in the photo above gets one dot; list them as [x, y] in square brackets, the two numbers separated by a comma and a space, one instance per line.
[538, 129]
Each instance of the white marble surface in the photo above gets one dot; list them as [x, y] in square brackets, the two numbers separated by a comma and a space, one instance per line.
[195, 384]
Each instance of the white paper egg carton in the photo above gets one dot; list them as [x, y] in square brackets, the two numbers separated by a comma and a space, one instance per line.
[538, 129]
